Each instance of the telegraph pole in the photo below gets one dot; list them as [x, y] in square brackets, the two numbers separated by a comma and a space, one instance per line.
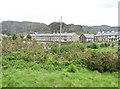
[60, 31]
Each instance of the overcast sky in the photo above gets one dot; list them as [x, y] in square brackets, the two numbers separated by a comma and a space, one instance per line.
[82, 12]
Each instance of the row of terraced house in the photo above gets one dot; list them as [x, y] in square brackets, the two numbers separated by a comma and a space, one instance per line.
[101, 37]
[73, 37]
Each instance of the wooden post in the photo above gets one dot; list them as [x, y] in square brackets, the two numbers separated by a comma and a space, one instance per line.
[60, 31]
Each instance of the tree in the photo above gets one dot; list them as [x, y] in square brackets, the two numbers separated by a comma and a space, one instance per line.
[14, 37]
[29, 36]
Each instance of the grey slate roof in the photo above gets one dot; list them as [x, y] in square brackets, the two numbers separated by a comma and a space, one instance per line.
[54, 34]
[91, 36]
[108, 33]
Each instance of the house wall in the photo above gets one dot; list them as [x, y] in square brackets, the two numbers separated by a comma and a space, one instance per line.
[72, 38]
[107, 38]
[83, 38]
[75, 38]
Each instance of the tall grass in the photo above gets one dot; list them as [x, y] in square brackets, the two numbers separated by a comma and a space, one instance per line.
[35, 76]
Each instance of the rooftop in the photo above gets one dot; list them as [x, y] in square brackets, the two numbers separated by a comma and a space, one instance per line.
[107, 33]
[89, 35]
[54, 34]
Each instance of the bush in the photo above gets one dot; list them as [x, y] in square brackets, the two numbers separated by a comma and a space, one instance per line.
[14, 56]
[71, 57]
[102, 45]
[103, 62]
[72, 68]
[109, 44]
[54, 48]
[23, 49]
[106, 44]
[77, 47]
[113, 44]
[65, 48]
[29, 36]
[14, 37]
[93, 46]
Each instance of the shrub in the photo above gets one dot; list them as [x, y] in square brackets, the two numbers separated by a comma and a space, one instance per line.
[54, 48]
[23, 49]
[72, 68]
[77, 46]
[29, 36]
[65, 48]
[113, 44]
[88, 46]
[105, 61]
[14, 37]
[14, 56]
[93, 46]
[106, 44]
[109, 44]
[118, 42]
[102, 45]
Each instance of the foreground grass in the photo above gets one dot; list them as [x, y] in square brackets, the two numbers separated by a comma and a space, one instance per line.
[27, 77]
[105, 49]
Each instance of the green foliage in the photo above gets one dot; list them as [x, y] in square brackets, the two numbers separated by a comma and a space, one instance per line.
[26, 57]
[19, 73]
[55, 59]
[93, 46]
[72, 68]
[54, 48]
[77, 46]
[103, 62]
[105, 44]
[28, 36]
[109, 44]
[119, 42]
[65, 48]
[14, 56]
[113, 44]
[103, 49]
[102, 45]
[23, 49]
[14, 37]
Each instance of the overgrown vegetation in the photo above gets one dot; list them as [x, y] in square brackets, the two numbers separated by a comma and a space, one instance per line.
[93, 46]
[18, 73]
[28, 54]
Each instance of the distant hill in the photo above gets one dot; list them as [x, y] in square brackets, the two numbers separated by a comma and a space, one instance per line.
[13, 27]
[95, 29]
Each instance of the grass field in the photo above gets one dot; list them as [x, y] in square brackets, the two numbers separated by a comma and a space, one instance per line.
[27, 77]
